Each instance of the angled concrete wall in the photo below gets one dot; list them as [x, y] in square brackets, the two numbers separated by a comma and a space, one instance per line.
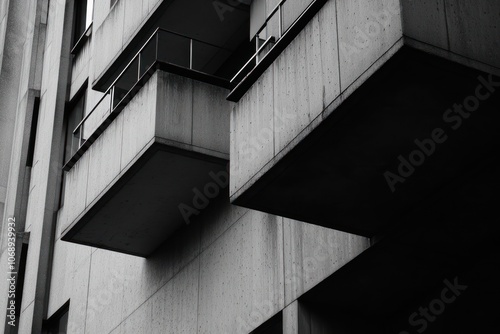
[462, 31]
[228, 272]
[340, 47]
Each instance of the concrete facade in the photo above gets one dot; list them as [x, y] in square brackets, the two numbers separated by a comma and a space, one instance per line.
[229, 269]
[324, 64]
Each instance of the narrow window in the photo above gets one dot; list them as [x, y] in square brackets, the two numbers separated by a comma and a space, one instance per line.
[34, 125]
[20, 277]
[74, 116]
[58, 323]
[82, 19]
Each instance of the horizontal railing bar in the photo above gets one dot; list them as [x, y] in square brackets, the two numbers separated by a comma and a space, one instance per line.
[155, 33]
[272, 13]
[194, 39]
[269, 40]
[90, 113]
[116, 80]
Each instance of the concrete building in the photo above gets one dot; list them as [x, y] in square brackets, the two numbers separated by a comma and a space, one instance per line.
[239, 166]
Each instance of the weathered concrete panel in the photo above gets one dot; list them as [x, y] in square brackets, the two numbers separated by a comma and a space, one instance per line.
[425, 21]
[243, 272]
[291, 91]
[329, 52]
[140, 321]
[291, 9]
[69, 281]
[252, 128]
[101, 10]
[105, 293]
[138, 119]
[312, 253]
[175, 104]
[211, 114]
[104, 163]
[108, 38]
[145, 277]
[474, 30]
[132, 19]
[367, 29]
[75, 194]
[70, 270]
[80, 69]
[175, 305]
[217, 219]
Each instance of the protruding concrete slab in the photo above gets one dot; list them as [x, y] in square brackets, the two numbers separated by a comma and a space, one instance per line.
[142, 210]
[396, 140]
[149, 174]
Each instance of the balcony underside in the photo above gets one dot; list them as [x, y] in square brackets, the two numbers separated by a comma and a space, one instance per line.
[141, 210]
[336, 176]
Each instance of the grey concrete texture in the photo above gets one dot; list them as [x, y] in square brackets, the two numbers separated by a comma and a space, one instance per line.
[466, 28]
[333, 55]
[226, 266]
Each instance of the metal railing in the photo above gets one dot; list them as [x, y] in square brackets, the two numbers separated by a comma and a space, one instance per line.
[271, 31]
[196, 58]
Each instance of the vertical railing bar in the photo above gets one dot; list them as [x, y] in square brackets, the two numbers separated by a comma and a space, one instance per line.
[280, 19]
[138, 66]
[191, 54]
[157, 44]
[80, 137]
[111, 99]
[257, 38]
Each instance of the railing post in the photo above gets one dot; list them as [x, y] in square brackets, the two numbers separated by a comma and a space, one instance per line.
[111, 98]
[280, 28]
[157, 43]
[80, 136]
[257, 40]
[191, 54]
[139, 66]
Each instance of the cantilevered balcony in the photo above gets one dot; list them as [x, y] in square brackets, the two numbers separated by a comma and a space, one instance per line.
[158, 135]
[324, 130]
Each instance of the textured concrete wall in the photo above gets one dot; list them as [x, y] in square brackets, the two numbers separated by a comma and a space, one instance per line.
[228, 272]
[17, 80]
[4, 6]
[46, 164]
[339, 48]
[464, 31]
[114, 28]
